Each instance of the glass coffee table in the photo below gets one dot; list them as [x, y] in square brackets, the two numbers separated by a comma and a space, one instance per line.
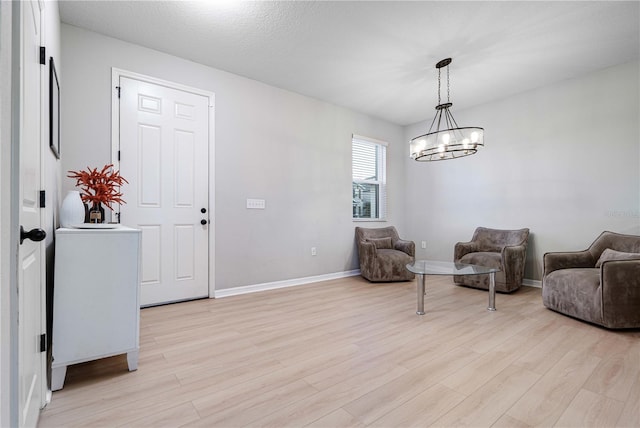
[422, 268]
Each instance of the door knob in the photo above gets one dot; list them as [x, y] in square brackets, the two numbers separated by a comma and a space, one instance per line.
[35, 235]
[203, 210]
[203, 222]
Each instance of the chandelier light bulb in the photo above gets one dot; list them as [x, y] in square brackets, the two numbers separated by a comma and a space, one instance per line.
[445, 138]
[474, 137]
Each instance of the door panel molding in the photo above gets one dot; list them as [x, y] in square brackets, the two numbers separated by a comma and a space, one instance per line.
[10, 28]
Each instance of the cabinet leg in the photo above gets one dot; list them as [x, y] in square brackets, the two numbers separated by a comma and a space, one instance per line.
[132, 360]
[57, 377]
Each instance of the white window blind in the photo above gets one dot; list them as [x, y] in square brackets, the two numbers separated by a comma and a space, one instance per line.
[369, 178]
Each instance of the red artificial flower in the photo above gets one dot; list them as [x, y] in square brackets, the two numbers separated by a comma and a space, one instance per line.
[99, 186]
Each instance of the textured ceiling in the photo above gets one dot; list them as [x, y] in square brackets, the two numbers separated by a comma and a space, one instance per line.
[379, 57]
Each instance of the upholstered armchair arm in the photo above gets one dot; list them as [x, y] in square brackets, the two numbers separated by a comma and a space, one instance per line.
[408, 247]
[368, 256]
[513, 261]
[462, 248]
[620, 281]
[565, 260]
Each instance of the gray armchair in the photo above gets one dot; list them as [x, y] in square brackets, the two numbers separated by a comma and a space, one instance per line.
[383, 255]
[600, 285]
[502, 249]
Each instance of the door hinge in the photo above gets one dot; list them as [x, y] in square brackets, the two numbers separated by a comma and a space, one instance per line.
[118, 89]
[43, 343]
[118, 155]
[43, 198]
[43, 56]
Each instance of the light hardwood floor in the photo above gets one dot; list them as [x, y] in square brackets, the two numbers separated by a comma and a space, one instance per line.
[348, 353]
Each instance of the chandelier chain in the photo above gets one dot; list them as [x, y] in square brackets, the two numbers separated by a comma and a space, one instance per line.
[439, 102]
[448, 97]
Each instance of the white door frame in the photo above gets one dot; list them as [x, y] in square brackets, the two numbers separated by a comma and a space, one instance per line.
[9, 168]
[116, 73]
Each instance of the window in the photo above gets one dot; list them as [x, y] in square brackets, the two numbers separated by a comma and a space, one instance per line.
[369, 171]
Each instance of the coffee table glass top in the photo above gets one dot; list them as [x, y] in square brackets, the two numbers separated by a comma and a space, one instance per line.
[432, 267]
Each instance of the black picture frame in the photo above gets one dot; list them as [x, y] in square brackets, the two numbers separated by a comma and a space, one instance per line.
[54, 110]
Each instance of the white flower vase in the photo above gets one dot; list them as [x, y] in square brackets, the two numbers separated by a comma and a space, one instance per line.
[72, 209]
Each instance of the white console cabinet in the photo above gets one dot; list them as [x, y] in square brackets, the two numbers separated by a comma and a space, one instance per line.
[96, 308]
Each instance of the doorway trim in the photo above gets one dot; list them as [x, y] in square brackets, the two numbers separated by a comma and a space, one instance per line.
[116, 74]
[10, 18]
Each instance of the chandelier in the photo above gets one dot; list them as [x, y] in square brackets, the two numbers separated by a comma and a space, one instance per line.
[450, 142]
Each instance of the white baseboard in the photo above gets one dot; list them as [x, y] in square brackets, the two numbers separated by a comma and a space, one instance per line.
[283, 284]
[532, 283]
[227, 292]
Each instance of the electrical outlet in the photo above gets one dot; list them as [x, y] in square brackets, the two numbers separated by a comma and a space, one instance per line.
[256, 204]
[424, 244]
[313, 251]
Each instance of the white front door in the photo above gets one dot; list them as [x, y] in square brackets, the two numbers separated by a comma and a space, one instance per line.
[164, 152]
[30, 279]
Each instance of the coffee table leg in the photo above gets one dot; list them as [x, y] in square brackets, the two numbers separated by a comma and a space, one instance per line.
[492, 291]
[421, 291]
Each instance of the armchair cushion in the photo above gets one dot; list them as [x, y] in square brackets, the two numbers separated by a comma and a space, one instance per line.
[483, 258]
[609, 254]
[383, 255]
[382, 243]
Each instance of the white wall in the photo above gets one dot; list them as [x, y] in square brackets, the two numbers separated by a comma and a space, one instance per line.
[291, 150]
[562, 160]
